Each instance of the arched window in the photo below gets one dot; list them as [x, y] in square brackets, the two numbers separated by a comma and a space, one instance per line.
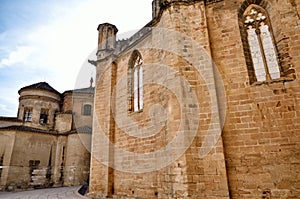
[259, 45]
[135, 82]
[87, 109]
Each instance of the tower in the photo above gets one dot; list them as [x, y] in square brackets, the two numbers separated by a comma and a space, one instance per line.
[106, 40]
[155, 8]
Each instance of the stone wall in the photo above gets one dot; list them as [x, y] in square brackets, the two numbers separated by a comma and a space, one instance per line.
[261, 142]
[167, 104]
[59, 155]
[63, 122]
[30, 152]
[36, 160]
[257, 155]
[77, 159]
[79, 100]
[74, 103]
[37, 100]
[9, 122]
[67, 103]
[38, 154]
[6, 148]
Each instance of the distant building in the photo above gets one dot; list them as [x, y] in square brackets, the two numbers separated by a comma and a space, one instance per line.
[217, 81]
[48, 143]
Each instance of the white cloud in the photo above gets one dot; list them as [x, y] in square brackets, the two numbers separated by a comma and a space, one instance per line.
[20, 55]
[56, 51]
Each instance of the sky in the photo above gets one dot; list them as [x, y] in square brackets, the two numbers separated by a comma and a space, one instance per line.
[51, 40]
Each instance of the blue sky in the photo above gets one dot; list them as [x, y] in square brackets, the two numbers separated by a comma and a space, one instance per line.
[51, 40]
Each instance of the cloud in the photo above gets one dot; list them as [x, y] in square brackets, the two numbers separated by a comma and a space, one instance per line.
[20, 55]
[54, 44]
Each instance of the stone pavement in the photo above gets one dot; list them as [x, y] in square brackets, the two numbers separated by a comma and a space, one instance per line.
[50, 193]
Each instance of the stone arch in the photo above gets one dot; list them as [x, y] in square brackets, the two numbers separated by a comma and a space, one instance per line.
[135, 60]
[266, 6]
[134, 55]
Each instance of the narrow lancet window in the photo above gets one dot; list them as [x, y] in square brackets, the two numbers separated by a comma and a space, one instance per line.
[261, 43]
[136, 82]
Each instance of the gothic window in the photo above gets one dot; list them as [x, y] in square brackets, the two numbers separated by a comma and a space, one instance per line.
[260, 44]
[87, 109]
[44, 116]
[136, 82]
[27, 114]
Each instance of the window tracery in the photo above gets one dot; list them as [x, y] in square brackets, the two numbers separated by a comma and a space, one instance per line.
[261, 44]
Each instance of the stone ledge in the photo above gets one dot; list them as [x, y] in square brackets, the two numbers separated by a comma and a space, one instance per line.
[279, 80]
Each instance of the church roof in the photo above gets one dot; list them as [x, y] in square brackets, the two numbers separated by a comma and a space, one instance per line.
[85, 90]
[89, 90]
[27, 129]
[79, 130]
[41, 86]
[84, 130]
[10, 119]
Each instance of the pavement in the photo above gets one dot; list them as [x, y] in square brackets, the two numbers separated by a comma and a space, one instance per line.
[50, 193]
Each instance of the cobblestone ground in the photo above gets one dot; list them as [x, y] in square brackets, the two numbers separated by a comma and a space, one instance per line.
[50, 193]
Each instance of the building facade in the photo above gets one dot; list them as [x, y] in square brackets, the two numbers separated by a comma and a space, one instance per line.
[48, 143]
[202, 102]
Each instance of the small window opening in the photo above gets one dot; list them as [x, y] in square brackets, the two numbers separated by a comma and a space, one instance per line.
[27, 114]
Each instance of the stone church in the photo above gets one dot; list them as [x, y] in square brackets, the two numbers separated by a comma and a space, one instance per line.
[48, 143]
[202, 102]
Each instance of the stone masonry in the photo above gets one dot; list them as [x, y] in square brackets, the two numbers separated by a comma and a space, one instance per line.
[48, 143]
[211, 125]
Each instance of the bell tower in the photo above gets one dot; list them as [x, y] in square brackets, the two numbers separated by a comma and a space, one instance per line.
[106, 39]
[155, 8]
